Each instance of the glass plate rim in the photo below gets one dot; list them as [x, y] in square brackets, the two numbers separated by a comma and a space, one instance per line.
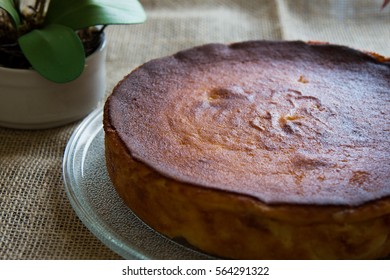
[107, 236]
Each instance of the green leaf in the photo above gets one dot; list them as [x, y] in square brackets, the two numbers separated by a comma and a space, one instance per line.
[55, 52]
[85, 13]
[9, 7]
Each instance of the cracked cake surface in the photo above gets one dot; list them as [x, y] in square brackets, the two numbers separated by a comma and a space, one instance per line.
[283, 122]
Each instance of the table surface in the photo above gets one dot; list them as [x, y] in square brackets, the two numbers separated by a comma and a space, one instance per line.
[37, 220]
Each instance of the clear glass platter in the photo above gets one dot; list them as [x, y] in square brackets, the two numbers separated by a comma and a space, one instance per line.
[98, 206]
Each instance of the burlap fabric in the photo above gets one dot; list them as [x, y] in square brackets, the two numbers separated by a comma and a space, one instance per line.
[37, 220]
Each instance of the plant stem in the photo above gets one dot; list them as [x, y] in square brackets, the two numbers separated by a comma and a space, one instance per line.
[42, 7]
[39, 9]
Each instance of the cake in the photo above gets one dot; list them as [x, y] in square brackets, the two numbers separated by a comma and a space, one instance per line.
[258, 149]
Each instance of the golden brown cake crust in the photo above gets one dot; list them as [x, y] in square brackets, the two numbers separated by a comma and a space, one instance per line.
[278, 122]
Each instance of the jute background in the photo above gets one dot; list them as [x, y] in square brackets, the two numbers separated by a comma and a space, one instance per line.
[37, 221]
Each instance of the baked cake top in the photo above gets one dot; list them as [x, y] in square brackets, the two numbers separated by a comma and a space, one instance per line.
[282, 122]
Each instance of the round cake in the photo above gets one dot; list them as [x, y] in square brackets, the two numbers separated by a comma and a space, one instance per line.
[258, 149]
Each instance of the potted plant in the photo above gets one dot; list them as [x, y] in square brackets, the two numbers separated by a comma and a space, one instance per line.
[52, 57]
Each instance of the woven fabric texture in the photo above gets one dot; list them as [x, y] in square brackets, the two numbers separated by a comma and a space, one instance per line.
[37, 220]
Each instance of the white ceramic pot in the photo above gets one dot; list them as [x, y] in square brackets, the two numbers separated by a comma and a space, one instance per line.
[29, 101]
